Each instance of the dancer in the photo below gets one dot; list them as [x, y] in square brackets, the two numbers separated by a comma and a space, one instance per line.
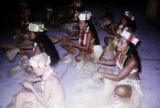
[107, 19]
[25, 17]
[50, 94]
[41, 43]
[127, 22]
[86, 39]
[75, 8]
[127, 81]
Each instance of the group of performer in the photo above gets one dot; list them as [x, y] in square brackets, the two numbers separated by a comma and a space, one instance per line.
[121, 88]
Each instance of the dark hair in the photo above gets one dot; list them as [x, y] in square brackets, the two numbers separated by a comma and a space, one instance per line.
[48, 46]
[132, 51]
[94, 31]
[108, 12]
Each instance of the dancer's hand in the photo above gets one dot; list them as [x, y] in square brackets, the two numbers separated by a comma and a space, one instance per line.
[101, 70]
[65, 38]
[97, 76]
[71, 44]
[95, 61]
[102, 26]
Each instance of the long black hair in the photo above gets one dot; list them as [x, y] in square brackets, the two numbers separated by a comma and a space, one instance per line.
[47, 46]
[94, 31]
[132, 51]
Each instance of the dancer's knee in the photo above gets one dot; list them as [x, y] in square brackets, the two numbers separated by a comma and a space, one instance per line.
[78, 58]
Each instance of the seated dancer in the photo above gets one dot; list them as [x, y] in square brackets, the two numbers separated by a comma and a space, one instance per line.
[50, 93]
[75, 8]
[107, 19]
[41, 43]
[25, 16]
[86, 38]
[127, 22]
[127, 80]
[49, 16]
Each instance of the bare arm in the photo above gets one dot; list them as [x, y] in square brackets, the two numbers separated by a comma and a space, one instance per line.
[36, 79]
[109, 28]
[74, 37]
[124, 72]
[37, 49]
[114, 30]
[110, 62]
[26, 47]
[45, 96]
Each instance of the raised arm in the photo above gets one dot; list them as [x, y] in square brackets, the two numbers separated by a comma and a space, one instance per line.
[109, 62]
[73, 37]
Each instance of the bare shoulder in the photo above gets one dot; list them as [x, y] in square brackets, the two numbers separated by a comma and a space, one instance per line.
[132, 61]
[90, 34]
[54, 79]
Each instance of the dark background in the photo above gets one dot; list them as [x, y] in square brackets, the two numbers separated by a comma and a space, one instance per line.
[9, 8]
